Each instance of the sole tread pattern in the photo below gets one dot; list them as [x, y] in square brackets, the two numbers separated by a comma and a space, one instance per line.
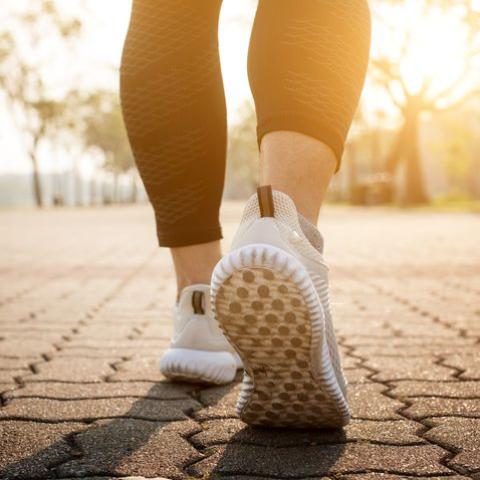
[269, 310]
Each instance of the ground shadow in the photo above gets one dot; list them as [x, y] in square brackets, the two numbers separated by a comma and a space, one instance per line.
[100, 449]
[279, 452]
[109, 448]
[270, 452]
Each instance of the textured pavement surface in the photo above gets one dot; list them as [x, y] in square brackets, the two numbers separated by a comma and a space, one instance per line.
[85, 298]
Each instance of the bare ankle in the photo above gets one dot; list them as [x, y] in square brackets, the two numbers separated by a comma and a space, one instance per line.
[194, 263]
[299, 166]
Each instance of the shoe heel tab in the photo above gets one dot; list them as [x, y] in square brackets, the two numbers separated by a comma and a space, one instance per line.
[265, 201]
[198, 302]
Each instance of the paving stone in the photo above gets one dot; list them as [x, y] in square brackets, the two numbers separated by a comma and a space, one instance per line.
[386, 476]
[408, 368]
[230, 430]
[114, 478]
[470, 364]
[97, 303]
[51, 410]
[320, 460]
[367, 401]
[25, 348]
[357, 375]
[43, 336]
[253, 477]
[17, 363]
[6, 387]
[220, 402]
[432, 406]
[36, 327]
[458, 434]
[349, 362]
[60, 390]
[108, 332]
[401, 432]
[439, 389]
[400, 342]
[137, 344]
[64, 370]
[426, 328]
[32, 450]
[138, 369]
[354, 325]
[158, 329]
[425, 350]
[133, 447]
[136, 319]
[110, 352]
[8, 376]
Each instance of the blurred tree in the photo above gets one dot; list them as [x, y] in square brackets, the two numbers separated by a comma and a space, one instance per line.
[405, 75]
[104, 130]
[242, 164]
[456, 153]
[29, 42]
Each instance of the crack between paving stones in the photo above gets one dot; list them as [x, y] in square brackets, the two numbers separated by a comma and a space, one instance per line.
[338, 475]
[195, 395]
[359, 441]
[47, 358]
[458, 371]
[405, 301]
[388, 392]
[446, 397]
[450, 453]
[100, 397]
[67, 272]
[81, 399]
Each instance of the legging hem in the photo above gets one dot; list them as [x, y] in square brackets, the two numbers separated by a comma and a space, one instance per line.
[184, 238]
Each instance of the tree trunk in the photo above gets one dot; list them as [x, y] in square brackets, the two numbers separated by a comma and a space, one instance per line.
[352, 176]
[133, 192]
[414, 193]
[394, 156]
[115, 187]
[37, 185]
[93, 191]
[474, 183]
[78, 199]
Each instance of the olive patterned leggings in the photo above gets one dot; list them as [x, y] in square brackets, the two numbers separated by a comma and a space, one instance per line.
[306, 67]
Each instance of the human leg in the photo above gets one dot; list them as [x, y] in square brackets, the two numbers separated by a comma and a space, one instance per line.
[174, 110]
[271, 293]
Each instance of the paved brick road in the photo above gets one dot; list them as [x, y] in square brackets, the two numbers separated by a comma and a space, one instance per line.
[84, 306]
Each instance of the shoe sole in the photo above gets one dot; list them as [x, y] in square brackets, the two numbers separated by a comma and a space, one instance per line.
[198, 366]
[269, 310]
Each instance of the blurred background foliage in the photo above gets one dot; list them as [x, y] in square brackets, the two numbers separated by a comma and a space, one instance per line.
[415, 139]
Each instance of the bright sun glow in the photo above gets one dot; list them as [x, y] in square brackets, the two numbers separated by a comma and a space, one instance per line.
[440, 42]
[436, 48]
[435, 54]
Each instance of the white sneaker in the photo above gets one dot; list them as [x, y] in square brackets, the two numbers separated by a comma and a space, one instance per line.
[270, 295]
[199, 352]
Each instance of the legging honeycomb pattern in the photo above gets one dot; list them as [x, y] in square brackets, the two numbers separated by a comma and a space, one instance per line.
[306, 66]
